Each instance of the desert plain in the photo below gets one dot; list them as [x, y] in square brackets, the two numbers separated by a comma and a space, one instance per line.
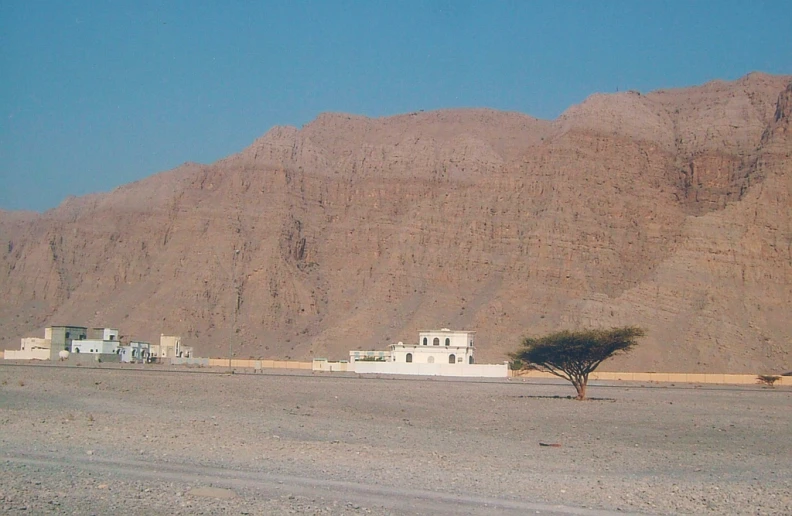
[110, 440]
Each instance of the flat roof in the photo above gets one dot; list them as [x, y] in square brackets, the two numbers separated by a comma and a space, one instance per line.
[446, 330]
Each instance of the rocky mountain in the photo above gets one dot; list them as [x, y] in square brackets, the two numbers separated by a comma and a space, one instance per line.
[670, 210]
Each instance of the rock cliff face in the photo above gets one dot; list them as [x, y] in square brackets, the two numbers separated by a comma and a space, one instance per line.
[671, 210]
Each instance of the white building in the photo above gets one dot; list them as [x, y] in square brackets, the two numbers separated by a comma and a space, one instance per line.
[103, 341]
[95, 346]
[437, 353]
[135, 352]
[437, 347]
[32, 348]
[56, 339]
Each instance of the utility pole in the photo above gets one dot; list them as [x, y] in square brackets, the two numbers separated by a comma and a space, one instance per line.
[236, 309]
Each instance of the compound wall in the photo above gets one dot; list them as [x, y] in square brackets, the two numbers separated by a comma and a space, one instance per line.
[729, 379]
[466, 370]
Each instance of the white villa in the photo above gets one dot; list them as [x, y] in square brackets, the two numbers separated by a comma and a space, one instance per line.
[434, 347]
[437, 353]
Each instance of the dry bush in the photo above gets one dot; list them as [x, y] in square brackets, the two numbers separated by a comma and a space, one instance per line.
[767, 379]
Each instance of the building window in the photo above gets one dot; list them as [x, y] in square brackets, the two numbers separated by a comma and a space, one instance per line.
[448, 341]
[430, 360]
[409, 357]
[470, 359]
[451, 359]
[425, 341]
[436, 342]
[67, 334]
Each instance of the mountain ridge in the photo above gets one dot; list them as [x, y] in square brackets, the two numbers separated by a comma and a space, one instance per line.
[668, 209]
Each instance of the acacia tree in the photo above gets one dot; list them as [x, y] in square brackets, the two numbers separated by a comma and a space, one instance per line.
[574, 355]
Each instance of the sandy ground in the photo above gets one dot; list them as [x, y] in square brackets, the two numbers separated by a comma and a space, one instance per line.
[100, 441]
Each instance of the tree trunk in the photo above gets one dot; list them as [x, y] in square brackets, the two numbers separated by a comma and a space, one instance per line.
[580, 387]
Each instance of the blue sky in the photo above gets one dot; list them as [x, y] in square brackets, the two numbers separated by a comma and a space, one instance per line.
[95, 94]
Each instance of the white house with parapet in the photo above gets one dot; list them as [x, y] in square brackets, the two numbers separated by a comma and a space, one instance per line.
[437, 353]
[102, 341]
[437, 347]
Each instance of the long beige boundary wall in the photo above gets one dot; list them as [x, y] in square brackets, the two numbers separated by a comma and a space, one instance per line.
[731, 379]
[466, 370]
[724, 379]
[259, 364]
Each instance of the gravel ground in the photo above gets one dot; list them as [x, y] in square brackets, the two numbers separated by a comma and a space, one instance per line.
[99, 441]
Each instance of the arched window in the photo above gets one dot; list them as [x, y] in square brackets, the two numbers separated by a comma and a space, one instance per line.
[430, 360]
[470, 359]
[452, 359]
[436, 342]
[448, 341]
[409, 357]
[425, 341]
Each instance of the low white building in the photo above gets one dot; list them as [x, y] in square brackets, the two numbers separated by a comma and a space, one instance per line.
[102, 341]
[95, 346]
[32, 348]
[135, 352]
[370, 356]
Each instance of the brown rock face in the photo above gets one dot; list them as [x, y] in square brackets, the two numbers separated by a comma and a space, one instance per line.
[671, 210]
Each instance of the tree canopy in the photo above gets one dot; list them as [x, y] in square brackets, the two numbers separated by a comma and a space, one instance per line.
[574, 355]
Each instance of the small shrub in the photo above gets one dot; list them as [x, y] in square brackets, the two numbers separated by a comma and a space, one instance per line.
[767, 379]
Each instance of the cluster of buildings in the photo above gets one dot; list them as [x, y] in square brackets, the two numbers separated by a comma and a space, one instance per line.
[101, 344]
[436, 353]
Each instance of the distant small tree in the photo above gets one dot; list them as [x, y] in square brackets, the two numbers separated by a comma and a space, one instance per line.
[767, 379]
[574, 355]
